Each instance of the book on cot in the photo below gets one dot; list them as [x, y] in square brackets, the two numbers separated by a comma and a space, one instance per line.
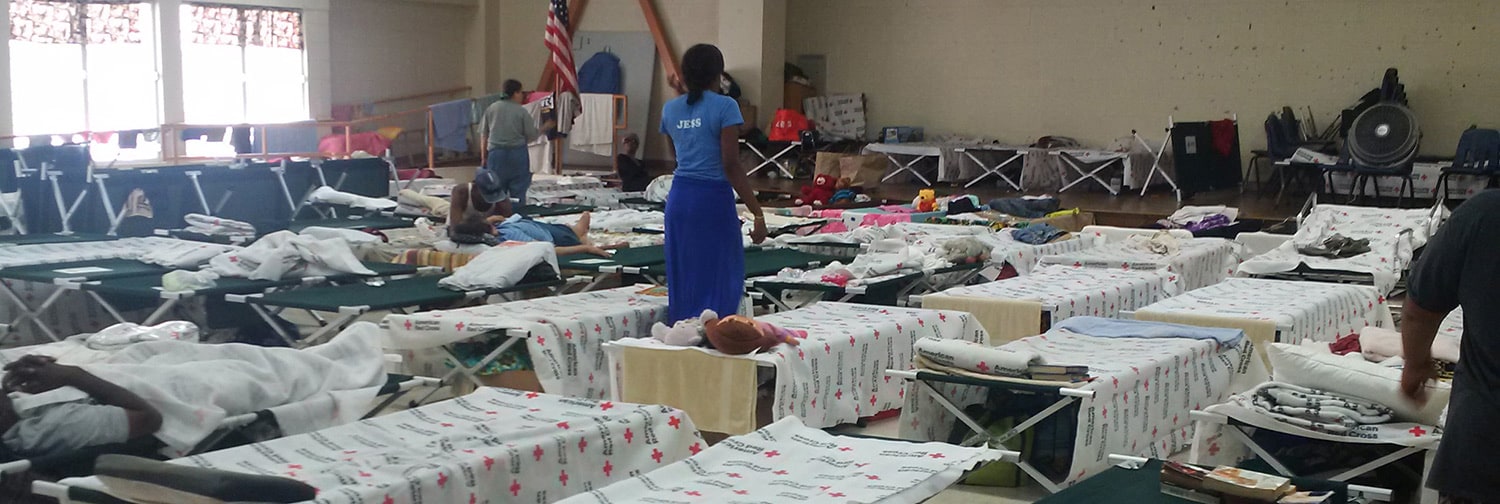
[1230, 485]
[1051, 372]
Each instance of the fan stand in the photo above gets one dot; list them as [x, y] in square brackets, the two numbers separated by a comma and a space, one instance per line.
[1156, 161]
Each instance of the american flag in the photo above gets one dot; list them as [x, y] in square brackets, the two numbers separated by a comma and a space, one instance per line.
[561, 45]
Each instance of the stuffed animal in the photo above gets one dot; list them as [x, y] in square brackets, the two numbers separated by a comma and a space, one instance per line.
[738, 335]
[686, 332]
[820, 192]
[845, 193]
[926, 200]
[966, 250]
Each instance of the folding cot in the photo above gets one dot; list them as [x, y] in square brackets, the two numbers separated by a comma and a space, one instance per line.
[916, 152]
[997, 169]
[1137, 480]
[758, 262]
[1143, 378]
[787, 461]
[496, 443]
[629, 260]
[833, 377]
[786, 294]
[1395, 236]
[148, 287]
[1276, 310]
[773, 159]
[1198, 262]
[1102, 159]
[351, 301]
[1023, 306]
[564, 335]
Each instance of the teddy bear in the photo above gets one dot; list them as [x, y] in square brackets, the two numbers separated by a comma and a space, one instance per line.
[926, 200]
[820, 192]
[845, 192]
[740, 335]
[686, 332]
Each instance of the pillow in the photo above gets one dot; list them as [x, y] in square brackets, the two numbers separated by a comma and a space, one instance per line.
[1310, 367]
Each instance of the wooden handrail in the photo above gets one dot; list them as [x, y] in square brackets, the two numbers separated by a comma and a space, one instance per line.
[442, 92]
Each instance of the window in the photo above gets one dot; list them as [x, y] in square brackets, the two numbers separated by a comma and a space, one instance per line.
[82, 66]
[243, 65]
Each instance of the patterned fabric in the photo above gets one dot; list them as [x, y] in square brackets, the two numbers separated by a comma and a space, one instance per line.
[1200, 262]
[70, 22]
[1023, 256]
[490, 446]
[567, 333]
[236, 26]
[788, 462]
[1143, 390]
[1069, 292]
[449, 261]
[1394, 236]
[1305, 311]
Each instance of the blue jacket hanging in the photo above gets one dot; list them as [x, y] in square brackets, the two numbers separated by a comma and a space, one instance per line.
[600, 74]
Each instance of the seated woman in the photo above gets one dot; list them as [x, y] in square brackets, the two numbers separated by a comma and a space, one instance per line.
[108, 414]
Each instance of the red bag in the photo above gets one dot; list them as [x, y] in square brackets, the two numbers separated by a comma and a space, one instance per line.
[787, 126]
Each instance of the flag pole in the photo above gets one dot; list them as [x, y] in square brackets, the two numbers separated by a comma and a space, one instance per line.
[557, 152]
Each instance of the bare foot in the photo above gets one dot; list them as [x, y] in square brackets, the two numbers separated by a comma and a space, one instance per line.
[581, 228]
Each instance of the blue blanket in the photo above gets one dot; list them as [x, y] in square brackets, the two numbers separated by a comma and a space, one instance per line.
[1118, 328]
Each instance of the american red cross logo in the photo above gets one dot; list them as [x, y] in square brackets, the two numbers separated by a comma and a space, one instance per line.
[562, 425]
[446, 424]
[1417, 431]
[780, 472]
[597, 328]
[1104, 412]
[898, 327]
[1213, 449]
[537, 453]
[851, 340]
[922, 323]
[827, 349]
[773, 453]
[563, 477]
[877, 334]
[984, 367]
[541, 340]
[693, 493]
[674, 422]
[582, 444]
[294, 466]
[872, 400]
[408, 325]
[473, 499]
[734, 475]
[515, 488]
[568, 334]
[531, 395]
[1116, 380]
[459, 326]
[606, 405]
[824, 488]
[695, 448]
[845, 448]
[624, 320]
[741, 492]
[801, 355]
[488, 463]
[363, 474]
[942, 317]
[608, 468]
[442, 480]
[872, 477]
[838, 394]
[656, 455]
[629, 435]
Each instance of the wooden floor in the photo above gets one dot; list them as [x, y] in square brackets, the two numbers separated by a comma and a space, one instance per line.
[1127, 209]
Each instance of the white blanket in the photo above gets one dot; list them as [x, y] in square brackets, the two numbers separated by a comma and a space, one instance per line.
[331, 196]
[286, 255]
[1066, 292]
[616, 221]
[187, 255]
[984, 359]
[1394, 236]
[494, 445]
[502, 266]
[199, 223]
[1143, 390]
[566, 334]
[195, 387]
[786, 462]
[1200, 262]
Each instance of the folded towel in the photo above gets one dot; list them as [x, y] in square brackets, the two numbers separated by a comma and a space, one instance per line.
[971, 356]
[1004, 319]
[1316, 409]
[331, 196]
[199, 223]
[1114, 328]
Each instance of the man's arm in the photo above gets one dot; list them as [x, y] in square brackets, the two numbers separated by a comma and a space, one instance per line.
[729, 150]
[583, 249]
[40, 375]
[1418, 327]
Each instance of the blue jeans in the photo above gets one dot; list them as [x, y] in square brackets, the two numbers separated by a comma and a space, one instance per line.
[512, 166]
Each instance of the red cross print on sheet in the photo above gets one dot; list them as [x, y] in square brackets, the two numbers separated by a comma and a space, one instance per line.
[537, 453]
[515, 488]
[772, 454]
[695, 448]
[629, 435]
[1417, 431]
[563, 477]
[608, 468]
[656, 455]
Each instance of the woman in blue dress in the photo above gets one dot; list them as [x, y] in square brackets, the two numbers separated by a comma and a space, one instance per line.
[704, 249]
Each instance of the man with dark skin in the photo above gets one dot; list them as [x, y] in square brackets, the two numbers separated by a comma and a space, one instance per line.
[109, 415]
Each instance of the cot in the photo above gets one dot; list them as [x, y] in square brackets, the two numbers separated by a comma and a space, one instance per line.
[351, 301]
[1199, 262]
[915, 152]
[790, 293]
[1134, 402]
[496, 443]
[758, 262]
[1023, 306]
[787, 461]
[629, 260]
[997, 169]
[147, 287]
[773, 159]
[1104, 159]
[1396, 235]
[1136, 480]
[833, 377]
[1276, 310]
[564, 335]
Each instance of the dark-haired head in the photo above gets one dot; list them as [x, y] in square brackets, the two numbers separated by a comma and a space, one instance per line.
[702, 67]
[511, 89]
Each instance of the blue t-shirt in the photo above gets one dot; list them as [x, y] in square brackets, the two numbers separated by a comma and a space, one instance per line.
[695, 131]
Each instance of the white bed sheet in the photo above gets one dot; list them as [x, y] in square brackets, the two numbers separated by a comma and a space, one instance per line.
[566, 332]
[1200, 262]
[1394, 236]
[787, 461]
[1307, 311]
[1069, 292]
[1143, 389]
[837, 374]
[494, 444]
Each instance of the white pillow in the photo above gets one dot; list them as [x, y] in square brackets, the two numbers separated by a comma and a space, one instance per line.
[1310, 367]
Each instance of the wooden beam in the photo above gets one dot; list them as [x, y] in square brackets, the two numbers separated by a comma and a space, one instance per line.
[575, 16]
[663, 47]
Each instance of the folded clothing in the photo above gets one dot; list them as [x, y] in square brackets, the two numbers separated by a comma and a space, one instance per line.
[1036, 234]
[1337, 246]
[1379, 344]
[1116, 328]
[433, 205]
[971, 356]
[330, 196]
[1316, 409]
[214, 226]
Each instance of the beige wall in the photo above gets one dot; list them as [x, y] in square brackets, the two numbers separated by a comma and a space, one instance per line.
[522, 56]
[1095, 69]
[385, 48]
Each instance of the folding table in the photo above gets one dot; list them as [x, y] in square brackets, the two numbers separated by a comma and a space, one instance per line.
[1106, 159]
[1017, 154]
[917, 152]
[774, 159]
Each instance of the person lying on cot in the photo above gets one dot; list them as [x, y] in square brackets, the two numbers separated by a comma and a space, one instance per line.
[108, 414]
[569, 240]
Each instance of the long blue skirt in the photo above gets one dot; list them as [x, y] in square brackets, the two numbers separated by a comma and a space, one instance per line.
[705, 253]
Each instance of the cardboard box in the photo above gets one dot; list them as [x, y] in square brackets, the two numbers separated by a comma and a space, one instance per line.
[901, 134]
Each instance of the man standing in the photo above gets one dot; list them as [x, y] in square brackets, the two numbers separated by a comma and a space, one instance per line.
[1459, 267]
[508, 128]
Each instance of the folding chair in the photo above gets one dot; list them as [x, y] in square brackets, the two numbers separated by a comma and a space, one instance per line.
[774, 160]
[1106, 158]
[1017, 154]
[1478, 156]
